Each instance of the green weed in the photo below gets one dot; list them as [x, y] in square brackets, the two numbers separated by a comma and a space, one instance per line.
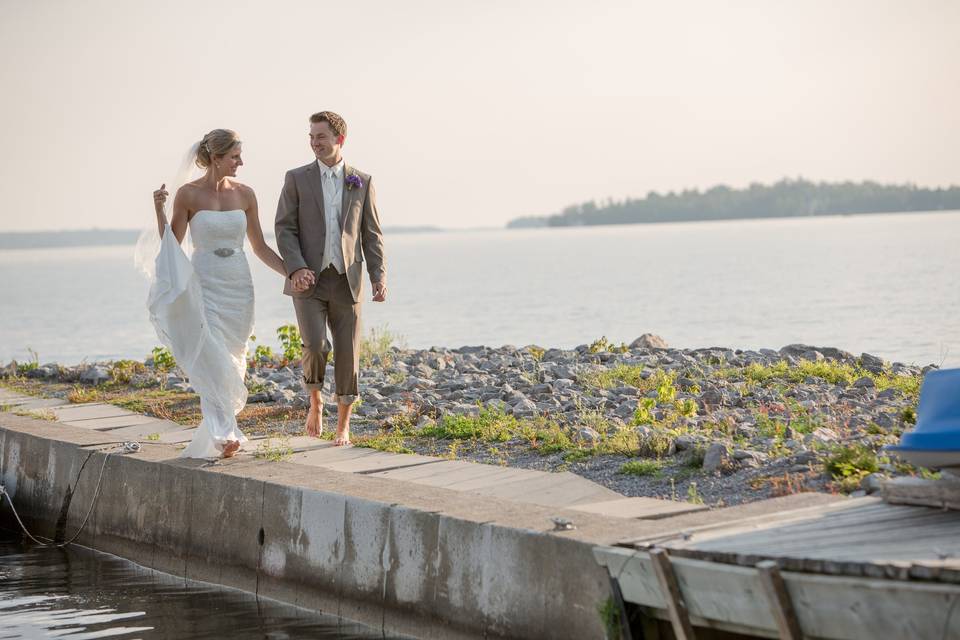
[641, 468]
[290, 342]
[163, 360]
[274, 452]
[849, 465]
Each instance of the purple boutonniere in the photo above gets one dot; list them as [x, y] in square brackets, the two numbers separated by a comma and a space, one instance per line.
[354, 181]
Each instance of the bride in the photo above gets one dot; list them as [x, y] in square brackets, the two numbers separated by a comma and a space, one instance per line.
[202, 307]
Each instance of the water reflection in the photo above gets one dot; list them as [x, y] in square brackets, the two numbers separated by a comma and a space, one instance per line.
[78, 593]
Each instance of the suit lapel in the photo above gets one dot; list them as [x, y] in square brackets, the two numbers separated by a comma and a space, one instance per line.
[315, 181]
[348, 194]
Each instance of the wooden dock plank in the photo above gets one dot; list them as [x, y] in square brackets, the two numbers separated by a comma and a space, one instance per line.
[826, 606]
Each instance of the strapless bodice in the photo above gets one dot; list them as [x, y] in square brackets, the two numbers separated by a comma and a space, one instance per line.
[212, 230]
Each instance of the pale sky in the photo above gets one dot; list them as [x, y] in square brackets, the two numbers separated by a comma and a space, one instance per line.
[469, 114]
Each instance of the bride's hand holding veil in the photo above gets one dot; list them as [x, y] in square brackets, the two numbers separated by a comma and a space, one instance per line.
[159, 203]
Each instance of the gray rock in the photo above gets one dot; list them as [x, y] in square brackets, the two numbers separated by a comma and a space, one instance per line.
[885, 420]
[95, 374]
[586, 435]
[743, 454]
[649, 341]
[684, 443]
[824, 435]
[144, 380]
[873, 364]
[497, 405]
[866, 382]
[716, 457]
[805, 350]
[260, 396]
[283, 396]
[711, 396]
[873, 483]
[627, 409]
[524, 408]
[465, 409]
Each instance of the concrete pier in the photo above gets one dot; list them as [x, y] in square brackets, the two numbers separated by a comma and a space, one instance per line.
[406, 558]
[415, 559]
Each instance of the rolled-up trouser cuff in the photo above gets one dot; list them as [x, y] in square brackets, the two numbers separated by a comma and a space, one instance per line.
[345, 399]
[313, 386]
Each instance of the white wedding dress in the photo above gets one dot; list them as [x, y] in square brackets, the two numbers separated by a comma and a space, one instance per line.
[202, 309]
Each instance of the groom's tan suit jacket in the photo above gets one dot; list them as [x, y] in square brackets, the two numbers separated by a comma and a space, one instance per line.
[302, 230]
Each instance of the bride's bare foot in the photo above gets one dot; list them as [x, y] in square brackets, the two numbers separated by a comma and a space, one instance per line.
[315, 421]
[230, 449]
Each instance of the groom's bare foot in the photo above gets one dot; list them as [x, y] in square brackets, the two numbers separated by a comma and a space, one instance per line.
[343, 425]
[230, 449]
[315, 421]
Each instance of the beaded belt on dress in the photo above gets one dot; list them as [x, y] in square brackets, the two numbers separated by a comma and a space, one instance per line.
[225, 252]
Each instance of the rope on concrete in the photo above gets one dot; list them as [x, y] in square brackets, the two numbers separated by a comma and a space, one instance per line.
[96, 494]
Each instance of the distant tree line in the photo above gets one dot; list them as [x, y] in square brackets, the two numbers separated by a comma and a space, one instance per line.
[786, 198]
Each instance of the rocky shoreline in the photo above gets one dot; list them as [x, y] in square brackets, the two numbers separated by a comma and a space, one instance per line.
[717, 425]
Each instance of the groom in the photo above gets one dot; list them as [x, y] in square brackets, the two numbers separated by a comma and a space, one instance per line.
[326, 225]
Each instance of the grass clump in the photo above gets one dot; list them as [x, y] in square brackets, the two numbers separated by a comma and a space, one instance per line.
[39, 414]
[641, 468]
[849, 465]
[546, 436]
[377, 347]
[603, 344]
[392, 442]
[909, 415]
[122, 371]
[490, 425]
[615, 376]
[32, 364]
[81, 395]
[274, 451]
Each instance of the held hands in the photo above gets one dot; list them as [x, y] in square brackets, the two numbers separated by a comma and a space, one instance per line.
[379, 291]
[160, 198]
[303, 279]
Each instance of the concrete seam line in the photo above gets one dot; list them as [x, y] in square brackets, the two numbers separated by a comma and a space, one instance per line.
[260, 539]
[402, 466]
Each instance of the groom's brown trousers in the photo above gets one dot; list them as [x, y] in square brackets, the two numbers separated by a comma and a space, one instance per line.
[331, 303]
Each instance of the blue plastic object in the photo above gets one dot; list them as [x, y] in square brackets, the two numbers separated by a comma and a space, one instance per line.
[938, 415]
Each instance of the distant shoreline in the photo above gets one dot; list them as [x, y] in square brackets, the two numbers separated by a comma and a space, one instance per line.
[785, 199]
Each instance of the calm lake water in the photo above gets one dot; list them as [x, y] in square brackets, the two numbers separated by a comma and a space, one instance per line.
[884, 284]
[79, 593]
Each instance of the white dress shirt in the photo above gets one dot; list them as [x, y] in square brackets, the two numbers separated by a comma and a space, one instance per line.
[332, 180]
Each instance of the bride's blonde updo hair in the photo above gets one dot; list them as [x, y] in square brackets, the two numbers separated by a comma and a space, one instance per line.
[218, 142]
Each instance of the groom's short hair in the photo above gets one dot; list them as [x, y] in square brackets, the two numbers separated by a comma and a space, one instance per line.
[337, 124]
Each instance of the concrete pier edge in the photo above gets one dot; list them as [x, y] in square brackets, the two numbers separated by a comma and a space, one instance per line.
[407, 559]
